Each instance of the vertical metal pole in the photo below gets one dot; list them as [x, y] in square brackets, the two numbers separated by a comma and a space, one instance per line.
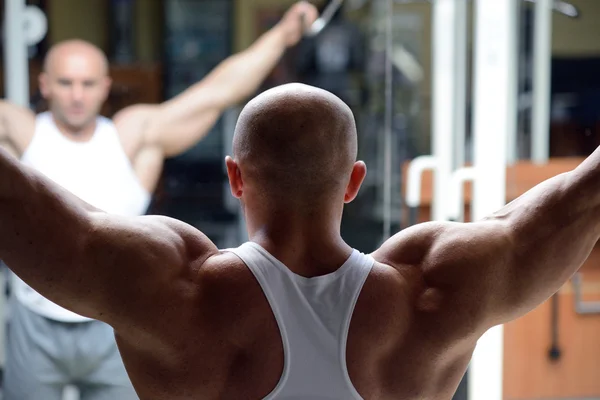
[387, 183]
[443, 98]
[542, 57]
[493, 119]
[460, 81]
[514, 146]
[512, 86]
[16, 63]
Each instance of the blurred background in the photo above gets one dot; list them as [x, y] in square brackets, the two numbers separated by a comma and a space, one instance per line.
[157, 48]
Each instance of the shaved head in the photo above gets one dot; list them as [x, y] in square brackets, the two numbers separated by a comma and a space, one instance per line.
[75, 82]
[297, 143]
[68, 48]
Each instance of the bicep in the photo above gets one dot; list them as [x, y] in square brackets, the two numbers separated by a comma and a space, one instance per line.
[173, 127]
[181, 122]
[132, 124]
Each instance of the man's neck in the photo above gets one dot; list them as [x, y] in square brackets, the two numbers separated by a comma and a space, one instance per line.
[308, 245]
[82, 134]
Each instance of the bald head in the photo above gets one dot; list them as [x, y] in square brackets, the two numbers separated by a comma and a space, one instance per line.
[75, 82]
[296, 141]
[75, 48]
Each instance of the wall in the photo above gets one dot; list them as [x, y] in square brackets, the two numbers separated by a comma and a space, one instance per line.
[577, 37]
[89, 20]
[148, 30]
[86, 20]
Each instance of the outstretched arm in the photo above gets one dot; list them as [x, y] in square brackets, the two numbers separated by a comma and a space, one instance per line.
[488, 272]
[178, 124]
[95, 264]
[17, 125]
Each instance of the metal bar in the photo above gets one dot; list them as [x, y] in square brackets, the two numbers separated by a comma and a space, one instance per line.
[414, 178]
[460, 81]
[554, 351]
[324, 18]
[513, 153]
[494, 101]
[561, 7]
[443, 97]
[456, 201]
[583, 307]
[16, 63]
[542, 54]
[387, 183]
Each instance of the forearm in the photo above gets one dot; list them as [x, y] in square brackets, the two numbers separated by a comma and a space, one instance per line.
[178, 124]
[17, 125]
[184, 120]
[239, 76]
[6, 141]
[8, 146]
[554, 227]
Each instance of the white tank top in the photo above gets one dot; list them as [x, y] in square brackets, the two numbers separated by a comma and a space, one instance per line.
[313, 315]
[98, 171]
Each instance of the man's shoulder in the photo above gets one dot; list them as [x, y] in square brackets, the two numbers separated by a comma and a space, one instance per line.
[231, 296]
[225, 273]
[399, 282]
[224, 264]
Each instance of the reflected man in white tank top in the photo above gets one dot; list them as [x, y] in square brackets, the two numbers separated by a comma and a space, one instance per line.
[113, 165]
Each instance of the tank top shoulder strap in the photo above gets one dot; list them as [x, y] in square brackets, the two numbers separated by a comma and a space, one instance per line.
[45, 134]
[107, 135]
[259, 264]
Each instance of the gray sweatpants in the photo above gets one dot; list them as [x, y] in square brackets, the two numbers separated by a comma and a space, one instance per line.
[43, 356]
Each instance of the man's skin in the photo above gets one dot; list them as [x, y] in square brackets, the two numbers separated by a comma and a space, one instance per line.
[75, 82]
[193, 323]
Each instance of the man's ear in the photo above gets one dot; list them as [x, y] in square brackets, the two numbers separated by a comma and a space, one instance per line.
[359, 172]
[235, 178]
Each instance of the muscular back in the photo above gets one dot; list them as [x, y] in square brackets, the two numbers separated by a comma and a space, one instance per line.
[192, 322]
[395, 347]
[223, 342]
[433, 291]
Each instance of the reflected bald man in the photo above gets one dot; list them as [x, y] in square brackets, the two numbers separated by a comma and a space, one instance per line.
[113, 165]
[296, 313]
